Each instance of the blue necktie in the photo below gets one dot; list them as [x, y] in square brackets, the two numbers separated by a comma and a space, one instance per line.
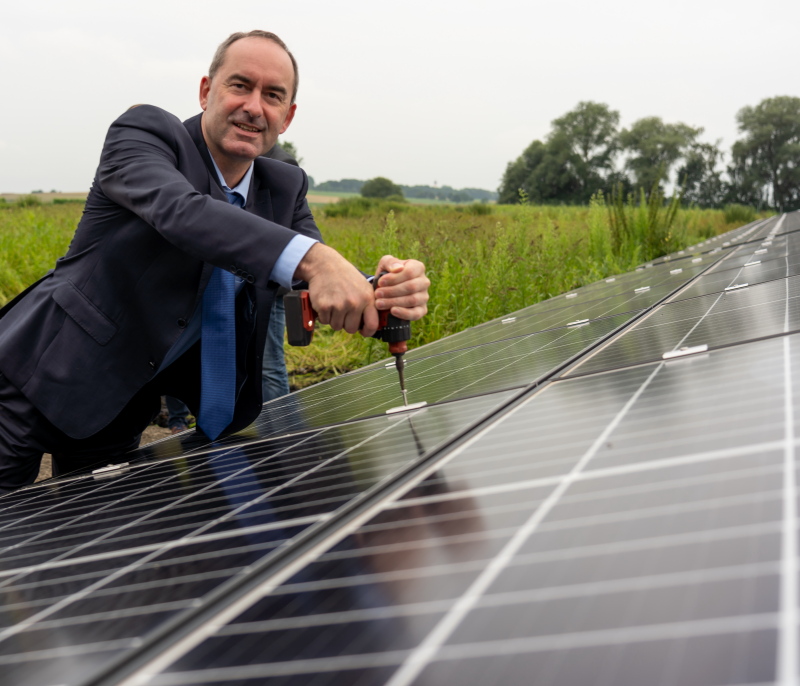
[218, 348]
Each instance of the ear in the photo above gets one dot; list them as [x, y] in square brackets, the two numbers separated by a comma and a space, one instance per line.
[289, 116]
[205, 87]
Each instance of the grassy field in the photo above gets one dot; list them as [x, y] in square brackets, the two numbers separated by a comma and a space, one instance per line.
[483, 261]
[325, 197]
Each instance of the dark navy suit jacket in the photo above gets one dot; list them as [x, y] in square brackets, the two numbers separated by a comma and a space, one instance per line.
[90, 334]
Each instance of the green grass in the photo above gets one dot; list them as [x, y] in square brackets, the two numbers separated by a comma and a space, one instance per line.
[31, 238]
[481, 265]
[335, 194]
[413, 201]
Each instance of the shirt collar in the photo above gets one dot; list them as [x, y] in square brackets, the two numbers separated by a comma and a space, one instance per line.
[242, 187]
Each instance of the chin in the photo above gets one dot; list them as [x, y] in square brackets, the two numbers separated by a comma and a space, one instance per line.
[244, 150]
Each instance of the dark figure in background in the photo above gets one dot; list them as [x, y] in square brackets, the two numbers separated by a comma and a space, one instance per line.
[274, 376]
[87, 351]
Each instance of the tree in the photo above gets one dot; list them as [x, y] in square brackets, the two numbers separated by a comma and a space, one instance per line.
[544, 173]
[700, 177]
[591, 132]
[380, 187]
[291, 148]
[765, 169]
[654, 147]
[575, 161]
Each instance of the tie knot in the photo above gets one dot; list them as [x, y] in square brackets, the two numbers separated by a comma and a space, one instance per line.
[234, 198]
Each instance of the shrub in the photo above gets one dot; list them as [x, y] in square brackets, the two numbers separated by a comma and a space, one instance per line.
[643, 232]
[380, 187]
[28, 201]
[477, 209]
[361, 207]
[739, 214]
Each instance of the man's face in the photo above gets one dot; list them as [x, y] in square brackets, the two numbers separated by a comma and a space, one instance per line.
[248, 103]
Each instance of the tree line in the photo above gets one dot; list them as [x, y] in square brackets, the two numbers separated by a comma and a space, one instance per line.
[586, 152]
[443, 193]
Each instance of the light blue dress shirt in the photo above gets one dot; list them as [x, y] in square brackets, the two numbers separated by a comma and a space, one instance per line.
[282, 272]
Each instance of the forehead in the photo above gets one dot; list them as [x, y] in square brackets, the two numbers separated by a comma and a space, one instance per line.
[258, 59]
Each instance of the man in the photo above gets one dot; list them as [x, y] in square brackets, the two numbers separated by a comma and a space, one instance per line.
[86, 353]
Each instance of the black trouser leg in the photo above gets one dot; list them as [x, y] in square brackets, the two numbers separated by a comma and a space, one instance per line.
[20, 448]
[111, 443]
[25, 434]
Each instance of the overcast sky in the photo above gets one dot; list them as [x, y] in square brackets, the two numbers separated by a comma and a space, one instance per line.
[420, 91]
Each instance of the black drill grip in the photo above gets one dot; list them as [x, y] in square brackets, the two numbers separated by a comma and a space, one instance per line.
[391, 329]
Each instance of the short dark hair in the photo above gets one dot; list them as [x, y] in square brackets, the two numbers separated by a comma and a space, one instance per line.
[219, 55]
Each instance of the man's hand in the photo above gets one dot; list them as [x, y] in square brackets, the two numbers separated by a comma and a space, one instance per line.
[404, 290]
[339, 293]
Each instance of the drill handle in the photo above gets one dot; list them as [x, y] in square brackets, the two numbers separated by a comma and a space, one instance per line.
[300, 317]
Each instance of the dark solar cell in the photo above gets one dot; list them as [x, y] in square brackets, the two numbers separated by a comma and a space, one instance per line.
[614, 516]
[193, 524]
[732, 316]
[751, 272]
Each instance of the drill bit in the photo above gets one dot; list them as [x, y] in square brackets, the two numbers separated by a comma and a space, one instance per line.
[399, 364]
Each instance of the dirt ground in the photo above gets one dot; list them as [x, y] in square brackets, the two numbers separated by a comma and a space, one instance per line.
[151, 433]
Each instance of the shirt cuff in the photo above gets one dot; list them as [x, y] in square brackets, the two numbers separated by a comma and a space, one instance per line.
[286, 265]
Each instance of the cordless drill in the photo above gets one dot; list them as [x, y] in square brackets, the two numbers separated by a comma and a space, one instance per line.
[300, 317]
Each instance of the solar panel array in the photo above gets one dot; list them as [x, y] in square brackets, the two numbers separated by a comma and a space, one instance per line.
[571, 507]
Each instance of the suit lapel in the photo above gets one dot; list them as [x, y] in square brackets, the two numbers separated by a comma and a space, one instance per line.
[259, 199]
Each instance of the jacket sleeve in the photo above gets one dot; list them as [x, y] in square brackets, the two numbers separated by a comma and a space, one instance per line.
[151, 167]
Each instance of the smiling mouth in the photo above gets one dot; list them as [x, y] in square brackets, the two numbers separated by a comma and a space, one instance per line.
[245, 127]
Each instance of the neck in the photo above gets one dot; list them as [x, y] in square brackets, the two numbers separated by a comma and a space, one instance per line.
[232, 173]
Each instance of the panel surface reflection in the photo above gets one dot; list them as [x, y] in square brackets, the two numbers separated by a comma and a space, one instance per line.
[631, 520]
[96, 565]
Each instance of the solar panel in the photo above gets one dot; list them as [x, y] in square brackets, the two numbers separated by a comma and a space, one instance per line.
[569, 508]
[592, 531]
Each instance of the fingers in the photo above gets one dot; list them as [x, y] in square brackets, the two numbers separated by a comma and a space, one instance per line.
[370, 322]
[390, 264]
[410, 314]
[339, 292]
[404, 290]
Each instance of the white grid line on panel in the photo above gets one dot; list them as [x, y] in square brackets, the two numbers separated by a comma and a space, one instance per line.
[582, 590]
[604, 472]
[58, 505]
[67, 652]
[117, 614]
[625, 636]
[787, 667]
[114, 574]
[136, 550]
[674, 509]
[513, 360]
[421, 655]
[505, 647]
[148, 515]
[132, 495]
[145, 674]
[576, 553]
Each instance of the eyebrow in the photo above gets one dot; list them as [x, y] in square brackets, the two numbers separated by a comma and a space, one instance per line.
[249, 81]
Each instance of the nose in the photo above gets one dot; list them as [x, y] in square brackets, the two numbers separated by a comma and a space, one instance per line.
[252, 104]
